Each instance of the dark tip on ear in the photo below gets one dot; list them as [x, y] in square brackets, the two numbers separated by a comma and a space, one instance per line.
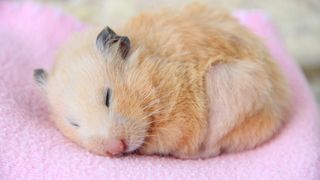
[104, 39]
[107, 38]
[40, 76]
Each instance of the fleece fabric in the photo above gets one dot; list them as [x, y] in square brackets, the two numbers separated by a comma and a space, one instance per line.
[32, 148]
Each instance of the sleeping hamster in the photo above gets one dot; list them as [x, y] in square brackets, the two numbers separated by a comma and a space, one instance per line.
[191, 83]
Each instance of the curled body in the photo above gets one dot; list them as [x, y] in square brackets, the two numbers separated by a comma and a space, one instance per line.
[190, 83]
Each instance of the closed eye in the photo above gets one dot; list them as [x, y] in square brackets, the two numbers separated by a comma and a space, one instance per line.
[73, 123]
[108, 97]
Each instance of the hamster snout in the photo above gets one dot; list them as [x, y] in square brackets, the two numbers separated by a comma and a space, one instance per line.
[111, 146]
[116, 147]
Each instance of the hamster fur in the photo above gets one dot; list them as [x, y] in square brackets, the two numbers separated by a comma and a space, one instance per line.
[191, 83]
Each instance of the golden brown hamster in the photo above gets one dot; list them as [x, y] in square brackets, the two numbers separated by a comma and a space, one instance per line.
[191, 83]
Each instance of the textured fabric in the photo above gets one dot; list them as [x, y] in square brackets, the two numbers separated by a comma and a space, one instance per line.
[32, 148]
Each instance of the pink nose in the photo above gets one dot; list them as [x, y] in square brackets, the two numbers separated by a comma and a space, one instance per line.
[116, 147]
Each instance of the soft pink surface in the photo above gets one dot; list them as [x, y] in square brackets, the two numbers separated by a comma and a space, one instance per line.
[31, 148]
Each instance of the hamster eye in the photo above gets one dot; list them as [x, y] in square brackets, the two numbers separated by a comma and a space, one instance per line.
[108, 97]
[74, 124]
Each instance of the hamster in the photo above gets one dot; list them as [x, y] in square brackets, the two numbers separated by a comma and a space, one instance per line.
[190, 83]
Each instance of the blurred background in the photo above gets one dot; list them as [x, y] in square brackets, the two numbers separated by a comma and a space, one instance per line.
[297, 20]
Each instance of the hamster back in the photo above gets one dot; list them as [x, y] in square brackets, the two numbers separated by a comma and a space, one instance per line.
[191, 83]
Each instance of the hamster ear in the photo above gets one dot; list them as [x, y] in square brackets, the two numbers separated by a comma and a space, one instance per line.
[235, 90]
[40, 77]
[107, 40]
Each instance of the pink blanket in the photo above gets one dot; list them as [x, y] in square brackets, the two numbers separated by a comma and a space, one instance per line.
[31, 147]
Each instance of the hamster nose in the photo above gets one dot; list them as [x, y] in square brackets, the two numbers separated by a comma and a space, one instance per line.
[116, 147]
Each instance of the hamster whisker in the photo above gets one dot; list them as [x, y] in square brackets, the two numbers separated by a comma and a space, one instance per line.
[163, 129]
[161, 84]
[148, 143]
[151, 122]
[156, 101]
[159, 127]
[148, 95]
[156, 121]
[148, 135]
[158, 111]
